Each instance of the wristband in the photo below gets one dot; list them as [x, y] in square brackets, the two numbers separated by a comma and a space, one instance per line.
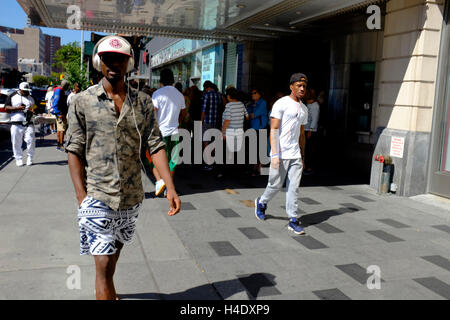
[276, 155]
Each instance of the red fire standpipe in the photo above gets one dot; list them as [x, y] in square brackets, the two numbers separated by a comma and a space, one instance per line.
[385, 180]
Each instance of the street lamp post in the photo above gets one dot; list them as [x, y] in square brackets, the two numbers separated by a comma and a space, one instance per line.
[82, 50]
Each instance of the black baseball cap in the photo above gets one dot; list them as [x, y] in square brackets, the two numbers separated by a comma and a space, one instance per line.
[298, 77]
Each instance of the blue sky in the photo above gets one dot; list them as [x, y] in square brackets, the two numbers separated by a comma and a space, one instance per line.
[13, 16]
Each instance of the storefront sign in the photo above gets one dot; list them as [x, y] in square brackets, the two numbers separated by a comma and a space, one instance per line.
[397, 147]
[175, 51]
[208, 64]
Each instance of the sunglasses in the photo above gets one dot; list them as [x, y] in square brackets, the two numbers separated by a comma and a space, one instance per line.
[109, 58]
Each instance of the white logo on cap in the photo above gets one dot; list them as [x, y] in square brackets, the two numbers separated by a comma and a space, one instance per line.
[115, 43]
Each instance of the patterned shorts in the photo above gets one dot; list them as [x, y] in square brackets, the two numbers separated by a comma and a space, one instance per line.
[100, 227]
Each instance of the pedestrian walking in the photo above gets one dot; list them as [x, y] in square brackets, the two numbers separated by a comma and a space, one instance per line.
[169, 106]
[211, 106]
[21, 106]
[288, 118]
[59, 109]
[109, 125]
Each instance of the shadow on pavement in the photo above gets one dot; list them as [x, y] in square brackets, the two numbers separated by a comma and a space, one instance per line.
[256, 285]
[321, 216]
[52, 163]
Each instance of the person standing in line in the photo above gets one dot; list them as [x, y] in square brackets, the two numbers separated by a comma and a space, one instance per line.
[287, 135]
[187, 121]
[48, 99]
[110, 123]
[21, 106]
[258, 120]
[170, 112]
[311, 131]
[233, 125]
[76, 90]
[211, 106]
[59, 109]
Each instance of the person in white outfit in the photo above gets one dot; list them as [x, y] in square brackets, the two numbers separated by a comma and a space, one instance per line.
[287, 137]
[21, 106]
[48, 98]
[170, 110]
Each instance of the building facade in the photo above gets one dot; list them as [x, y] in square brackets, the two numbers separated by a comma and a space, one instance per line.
[8, 52]
[33, 44]
[380, 68]
[195, 61]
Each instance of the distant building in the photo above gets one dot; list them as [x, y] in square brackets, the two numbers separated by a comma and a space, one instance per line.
[33, 44]
[8, 52]
[52, 44]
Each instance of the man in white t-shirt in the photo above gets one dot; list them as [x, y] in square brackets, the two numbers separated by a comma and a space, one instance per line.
[21, 106]
[169, 105]
[287, 137]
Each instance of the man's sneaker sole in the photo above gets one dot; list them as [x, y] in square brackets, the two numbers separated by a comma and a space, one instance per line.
[256, 211]
[296, 232]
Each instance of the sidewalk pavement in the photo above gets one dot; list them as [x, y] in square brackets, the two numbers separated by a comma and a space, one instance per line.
[216, 248]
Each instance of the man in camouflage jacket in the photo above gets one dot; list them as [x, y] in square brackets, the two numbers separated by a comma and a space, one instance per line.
[109, 126]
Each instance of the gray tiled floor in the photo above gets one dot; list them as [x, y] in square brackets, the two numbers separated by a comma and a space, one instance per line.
[216, 248]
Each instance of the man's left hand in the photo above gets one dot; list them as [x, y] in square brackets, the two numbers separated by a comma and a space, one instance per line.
[174, 202]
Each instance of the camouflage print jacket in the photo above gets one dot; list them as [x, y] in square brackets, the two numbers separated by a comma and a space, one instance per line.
[109, 145]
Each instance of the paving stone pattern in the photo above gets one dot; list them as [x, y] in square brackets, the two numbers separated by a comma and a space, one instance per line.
[217, 249]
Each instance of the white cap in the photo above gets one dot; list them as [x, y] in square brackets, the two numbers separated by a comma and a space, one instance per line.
[25, 86]
[114, 44]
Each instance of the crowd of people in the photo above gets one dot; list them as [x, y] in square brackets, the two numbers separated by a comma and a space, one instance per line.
[23, 110]
[231, 112]
[109, 124]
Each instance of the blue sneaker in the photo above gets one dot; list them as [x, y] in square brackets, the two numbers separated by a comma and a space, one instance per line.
[260, 209]
[295, 226]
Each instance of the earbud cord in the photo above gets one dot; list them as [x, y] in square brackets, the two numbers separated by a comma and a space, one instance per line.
[137, 129]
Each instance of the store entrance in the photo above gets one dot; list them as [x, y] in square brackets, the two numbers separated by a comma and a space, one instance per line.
[345, 92]
[439, 171]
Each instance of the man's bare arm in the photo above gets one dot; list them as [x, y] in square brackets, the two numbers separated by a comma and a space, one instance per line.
[77, 174]
[183, 114]
[161, 164]
[302, 141]
[275, 142]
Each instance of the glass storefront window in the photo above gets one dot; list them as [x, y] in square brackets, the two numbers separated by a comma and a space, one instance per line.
[445, 163]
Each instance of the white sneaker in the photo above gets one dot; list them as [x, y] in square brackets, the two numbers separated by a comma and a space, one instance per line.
[19, 163]
[160, 186]
[29, 162]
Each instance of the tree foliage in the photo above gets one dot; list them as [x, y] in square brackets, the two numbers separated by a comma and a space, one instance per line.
[68, 57]
[40, 81]
[66, 54]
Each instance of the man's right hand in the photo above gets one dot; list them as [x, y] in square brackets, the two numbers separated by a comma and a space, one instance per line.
[174, 202]
[275, 163]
